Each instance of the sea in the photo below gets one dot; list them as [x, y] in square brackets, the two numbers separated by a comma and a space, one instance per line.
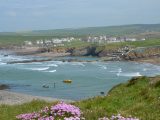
[89, 79]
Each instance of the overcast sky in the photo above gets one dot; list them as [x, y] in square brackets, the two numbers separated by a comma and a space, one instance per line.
[24, 15]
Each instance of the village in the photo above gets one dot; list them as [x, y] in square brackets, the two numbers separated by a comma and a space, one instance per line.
[57, 42]
[106, 39]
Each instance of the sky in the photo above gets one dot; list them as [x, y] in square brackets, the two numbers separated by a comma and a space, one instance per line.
[25, 15]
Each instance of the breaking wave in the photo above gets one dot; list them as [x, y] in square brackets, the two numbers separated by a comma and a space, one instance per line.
[52, 65]
[129, 74]
[52, 71]
[39, 69]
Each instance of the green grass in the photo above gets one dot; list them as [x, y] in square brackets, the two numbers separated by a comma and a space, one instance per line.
[121, 30]
[9, 112]
[139, 97]
[77, 44]
[17, 40]
[113, 46]
[146, 43]
[7, 40]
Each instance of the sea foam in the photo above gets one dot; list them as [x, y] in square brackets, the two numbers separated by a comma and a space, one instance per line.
[129, 74]
[103, 67]
[39, 69]
[52, 71]
[78, 63]
[52, 65]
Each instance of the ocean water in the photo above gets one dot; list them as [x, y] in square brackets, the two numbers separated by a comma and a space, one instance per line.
[88, 79]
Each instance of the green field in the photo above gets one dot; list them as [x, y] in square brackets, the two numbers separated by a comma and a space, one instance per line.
[19, 40]
[146, 43]
[121, 30]
[6, 41]
[138, 97]
[108, 46]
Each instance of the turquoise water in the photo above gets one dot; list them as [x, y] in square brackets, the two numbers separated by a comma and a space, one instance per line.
[89, 79]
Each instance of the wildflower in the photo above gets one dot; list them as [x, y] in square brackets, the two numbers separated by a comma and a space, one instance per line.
[66, 109]
[28, 116]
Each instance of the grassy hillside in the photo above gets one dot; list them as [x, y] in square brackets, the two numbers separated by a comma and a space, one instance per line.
[111, 46]
[139, 31]
[19, 40]
[139, 97]
[109, 30]
[146, 43]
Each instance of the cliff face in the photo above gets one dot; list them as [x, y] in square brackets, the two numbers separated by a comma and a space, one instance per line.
[58, 50]
[116, 54]
[86, 51]
[142, 53]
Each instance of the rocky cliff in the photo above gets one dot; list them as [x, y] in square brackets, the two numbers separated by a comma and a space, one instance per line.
[142, 53]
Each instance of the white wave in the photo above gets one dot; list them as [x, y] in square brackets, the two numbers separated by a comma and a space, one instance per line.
[39, 69]
[38, 63]
[103, 67]
[144, 69]
[129, 74]
[119, 70]
[52, 71]
[58, 62]
[2, 63]
[78, 63]
[12, 58]
[54, 65]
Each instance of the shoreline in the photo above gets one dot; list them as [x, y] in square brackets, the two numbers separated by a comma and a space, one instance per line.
[38, 52]
[14, 98]
[155, 61]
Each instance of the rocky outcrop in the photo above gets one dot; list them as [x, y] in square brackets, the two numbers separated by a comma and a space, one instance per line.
[3, 86]
[141, 53]
[79, 51]
[28, 61]
[85, 51]
[58, 50]
[29, 51]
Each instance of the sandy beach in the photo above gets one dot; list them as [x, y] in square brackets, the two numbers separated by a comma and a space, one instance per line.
[12, 98]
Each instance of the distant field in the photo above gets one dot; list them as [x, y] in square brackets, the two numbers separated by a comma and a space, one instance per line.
[121, 30]
[19, 40]
[146, 43]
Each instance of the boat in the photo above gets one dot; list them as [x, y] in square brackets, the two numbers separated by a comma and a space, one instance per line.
[67, 81]
[45, 86]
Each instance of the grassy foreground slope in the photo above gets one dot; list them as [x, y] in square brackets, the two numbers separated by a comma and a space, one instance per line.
[139, 97]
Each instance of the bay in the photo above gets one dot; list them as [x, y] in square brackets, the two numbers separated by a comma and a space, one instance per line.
[88, 78]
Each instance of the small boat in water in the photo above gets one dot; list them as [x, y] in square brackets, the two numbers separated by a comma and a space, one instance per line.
[67, 81]
[45, 86]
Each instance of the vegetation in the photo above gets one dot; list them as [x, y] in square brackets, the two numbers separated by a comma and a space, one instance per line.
[9, 112]
[112, 46]
[110, 30]
[6, 40]
[139, 97]
[134, 44]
